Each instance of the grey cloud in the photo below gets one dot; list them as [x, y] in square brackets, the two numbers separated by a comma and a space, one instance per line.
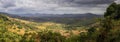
[7, 3]
[59, 6]
[117, 1]
[80, 3]
[84, 2]
[94, 1]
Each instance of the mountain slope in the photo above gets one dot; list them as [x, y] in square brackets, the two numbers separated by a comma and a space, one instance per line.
[13, 25]
[68, 19]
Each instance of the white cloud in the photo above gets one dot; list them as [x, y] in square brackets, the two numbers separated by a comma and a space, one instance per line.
[117, 1]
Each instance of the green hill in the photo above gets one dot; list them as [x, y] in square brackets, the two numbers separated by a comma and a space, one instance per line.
[17, 30]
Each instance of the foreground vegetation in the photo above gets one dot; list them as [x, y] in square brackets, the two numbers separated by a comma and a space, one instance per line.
[106, 29]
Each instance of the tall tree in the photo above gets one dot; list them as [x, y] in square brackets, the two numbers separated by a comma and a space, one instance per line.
[111, 10]
[117, 16]
[106, 23]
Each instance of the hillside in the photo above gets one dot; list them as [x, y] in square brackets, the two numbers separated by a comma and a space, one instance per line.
[18, 29]
[12, 25]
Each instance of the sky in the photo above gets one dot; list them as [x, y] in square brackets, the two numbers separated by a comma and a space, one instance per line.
[55, 6]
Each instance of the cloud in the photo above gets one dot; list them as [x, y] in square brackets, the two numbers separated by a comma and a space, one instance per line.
[84, 2]
[94, 1]
[54, 6]
[6, 4]
[117, 1]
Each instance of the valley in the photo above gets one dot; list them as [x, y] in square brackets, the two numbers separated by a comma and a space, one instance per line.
[86, 27]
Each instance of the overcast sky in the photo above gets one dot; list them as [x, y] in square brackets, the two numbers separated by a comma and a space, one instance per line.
[54, 6]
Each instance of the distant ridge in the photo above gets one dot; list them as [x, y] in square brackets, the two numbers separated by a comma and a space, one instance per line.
[83, 19]
[60, 15]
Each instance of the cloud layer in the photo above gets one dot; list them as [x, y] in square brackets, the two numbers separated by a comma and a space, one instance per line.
[54, 6]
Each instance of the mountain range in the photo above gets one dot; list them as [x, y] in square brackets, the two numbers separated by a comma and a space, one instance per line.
[69, 19]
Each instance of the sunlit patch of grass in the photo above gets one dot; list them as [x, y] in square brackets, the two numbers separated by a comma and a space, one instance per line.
[17, 30]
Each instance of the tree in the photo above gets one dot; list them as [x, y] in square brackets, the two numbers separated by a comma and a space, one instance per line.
[117, 16]
[111, 10]
[107, 22]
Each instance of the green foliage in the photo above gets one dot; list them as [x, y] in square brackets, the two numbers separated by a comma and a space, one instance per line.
[9, 37]
[3, 17]
[108, 24]
[111, 10]
[117, 16]
[28, 37]
[51, 37]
